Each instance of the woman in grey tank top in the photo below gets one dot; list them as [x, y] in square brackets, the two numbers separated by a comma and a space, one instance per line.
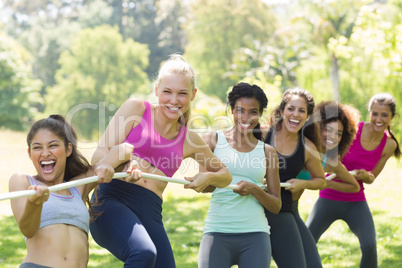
[58, 236]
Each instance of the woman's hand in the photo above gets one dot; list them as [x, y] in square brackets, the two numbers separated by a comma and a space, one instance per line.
[244, 188]
[296, 185]
[199, 182]
[104, 172]
[132, 169]
[364, 175]
[41, 196]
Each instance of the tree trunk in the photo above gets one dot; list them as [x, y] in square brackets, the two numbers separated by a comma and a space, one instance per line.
[334, 75]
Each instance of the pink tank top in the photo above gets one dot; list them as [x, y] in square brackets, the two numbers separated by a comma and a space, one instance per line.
[162, 153]
[357, 158]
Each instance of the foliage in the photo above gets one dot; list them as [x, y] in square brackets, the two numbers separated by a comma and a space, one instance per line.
[318, 45]
[18, 90]
[97, 75]
[46, 41]
[280, 57]
[272, 90]
[155, 23]
[330, 20]
[216, 30]
[208, 114]
[372, 59]
[44, 29]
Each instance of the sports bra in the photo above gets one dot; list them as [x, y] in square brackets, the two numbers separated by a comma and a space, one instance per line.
[66, 209]
[149, 145]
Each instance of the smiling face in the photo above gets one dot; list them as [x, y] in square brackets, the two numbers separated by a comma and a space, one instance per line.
[48, 155]
[331, 134]
[246, 113]
[380, 116]
[175, 93]
[294, 113]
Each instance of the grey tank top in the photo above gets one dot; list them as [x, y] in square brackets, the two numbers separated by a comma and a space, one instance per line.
[65, 209]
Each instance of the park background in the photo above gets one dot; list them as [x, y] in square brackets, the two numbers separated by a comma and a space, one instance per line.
[84, 58]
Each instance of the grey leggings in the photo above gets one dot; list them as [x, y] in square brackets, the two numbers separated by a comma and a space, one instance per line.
[247, 250]
[356, 214]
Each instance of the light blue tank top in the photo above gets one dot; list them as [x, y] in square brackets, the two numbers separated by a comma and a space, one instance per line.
[64, 209]
[230, 212]
[305, 175]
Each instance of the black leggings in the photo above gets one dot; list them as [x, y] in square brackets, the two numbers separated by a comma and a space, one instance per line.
[359, 219]
[292, 244]
[309, 245]
[131, 227]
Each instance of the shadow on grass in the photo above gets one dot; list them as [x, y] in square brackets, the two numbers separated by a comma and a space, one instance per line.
[183, 218]
[12, 243]
[341, 248]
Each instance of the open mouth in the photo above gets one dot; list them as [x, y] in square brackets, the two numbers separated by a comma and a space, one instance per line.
[48, 166]
[173, 109]
[293, 122]
[245, 126]
[329, 142]
[379, 124]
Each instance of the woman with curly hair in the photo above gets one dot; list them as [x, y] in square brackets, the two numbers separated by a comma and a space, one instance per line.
[373, 146]
[338, 125]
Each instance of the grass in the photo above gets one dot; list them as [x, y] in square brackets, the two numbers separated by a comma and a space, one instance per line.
[184, 212]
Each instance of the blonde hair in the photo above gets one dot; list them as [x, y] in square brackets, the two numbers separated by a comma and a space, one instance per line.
[176, 64]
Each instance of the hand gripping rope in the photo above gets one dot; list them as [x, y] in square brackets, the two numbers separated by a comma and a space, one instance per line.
[70, 184]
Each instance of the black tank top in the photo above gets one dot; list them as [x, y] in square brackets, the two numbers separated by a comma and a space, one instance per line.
[289, 166]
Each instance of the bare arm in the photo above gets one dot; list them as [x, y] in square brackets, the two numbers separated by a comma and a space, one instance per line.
[27, 210]
[314, 167]
[216, 173]
[349, 184]
[271, 197]
[368, 176]
[127, 116]
[117, 156]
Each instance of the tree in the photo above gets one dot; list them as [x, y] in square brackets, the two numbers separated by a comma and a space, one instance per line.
[151, 22]
[278, 59]
[216, 30]
[18, 90]
[373, 57]
[97, 75]
[330, 20]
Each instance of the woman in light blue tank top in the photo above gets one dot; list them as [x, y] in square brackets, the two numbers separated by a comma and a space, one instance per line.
[56, 224]
[236, 230]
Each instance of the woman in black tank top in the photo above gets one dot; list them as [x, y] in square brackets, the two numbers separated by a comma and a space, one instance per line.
[291, 121]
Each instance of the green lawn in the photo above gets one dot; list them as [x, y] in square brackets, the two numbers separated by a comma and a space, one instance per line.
[184, 212]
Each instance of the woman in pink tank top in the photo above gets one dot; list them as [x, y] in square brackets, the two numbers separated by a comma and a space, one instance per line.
[373, 146]
[130, 225]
